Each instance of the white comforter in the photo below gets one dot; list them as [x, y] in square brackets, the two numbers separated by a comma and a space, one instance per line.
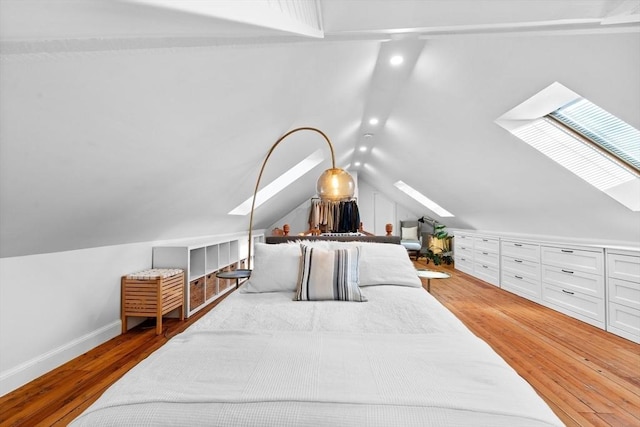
[265, 360]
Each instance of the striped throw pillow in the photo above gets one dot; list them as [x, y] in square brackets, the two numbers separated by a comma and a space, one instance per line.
[329, 275]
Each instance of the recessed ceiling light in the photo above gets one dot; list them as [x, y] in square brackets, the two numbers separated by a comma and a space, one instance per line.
[373, 121]
[363, 148]
[396, 60]
[357, 163]
[368, 135]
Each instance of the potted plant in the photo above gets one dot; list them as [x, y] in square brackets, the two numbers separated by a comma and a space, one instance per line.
[440, 248]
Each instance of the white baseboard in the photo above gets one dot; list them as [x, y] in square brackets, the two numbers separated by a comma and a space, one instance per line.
[18, 376]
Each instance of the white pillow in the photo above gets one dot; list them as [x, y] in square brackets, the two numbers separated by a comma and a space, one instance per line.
[275, 268]
[329, 275]
[384, 264]
[409, 233]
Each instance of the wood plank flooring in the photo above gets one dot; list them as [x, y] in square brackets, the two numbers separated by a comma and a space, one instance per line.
[587, 376]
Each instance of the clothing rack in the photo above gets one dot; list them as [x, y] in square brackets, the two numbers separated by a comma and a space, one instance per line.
[334, 216]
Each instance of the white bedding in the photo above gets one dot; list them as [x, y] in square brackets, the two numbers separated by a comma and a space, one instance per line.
[400, 359]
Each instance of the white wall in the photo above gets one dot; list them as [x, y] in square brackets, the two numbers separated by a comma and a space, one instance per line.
[56, 306]
[298, 220]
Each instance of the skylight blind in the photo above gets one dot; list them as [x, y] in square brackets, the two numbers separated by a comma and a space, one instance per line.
[582, 159]
[603, 128]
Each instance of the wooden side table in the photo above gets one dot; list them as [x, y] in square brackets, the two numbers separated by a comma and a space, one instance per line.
[152, 293]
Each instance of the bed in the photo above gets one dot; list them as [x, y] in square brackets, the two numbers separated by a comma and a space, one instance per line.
[372, 349]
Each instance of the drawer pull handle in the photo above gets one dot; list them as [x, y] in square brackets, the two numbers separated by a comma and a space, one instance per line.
[485, 253]
[518, 277]
[517, 244]
[484, 266]
[484, 240]
[517, 260]
[567, 292]
[463, 259]
[567, 271]
[566, 251]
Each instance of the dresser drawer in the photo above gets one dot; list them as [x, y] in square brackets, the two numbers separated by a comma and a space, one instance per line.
[521, 267]
[625, 267]
[584, 307]
[576, 281]
[489, 258]
[624, 293]
[573, 259]
[464, 250]
[521, 285]
[523, 251]
[464, 263]
[624, 321]
[486, 244]
[464, 238]
[487, 272]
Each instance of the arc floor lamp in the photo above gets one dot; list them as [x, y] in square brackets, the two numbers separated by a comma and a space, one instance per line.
[334, 184]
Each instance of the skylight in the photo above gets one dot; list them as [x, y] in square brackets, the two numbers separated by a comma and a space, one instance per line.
[582, 137]
[603, 128]
[422, 199]
[580, 158]
[280, 183]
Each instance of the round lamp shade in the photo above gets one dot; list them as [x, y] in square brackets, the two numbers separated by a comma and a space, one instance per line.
[335, 184]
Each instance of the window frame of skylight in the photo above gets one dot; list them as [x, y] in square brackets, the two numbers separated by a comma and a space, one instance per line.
[422, 199]
[557, 116]
[539, 107]
[280, 183]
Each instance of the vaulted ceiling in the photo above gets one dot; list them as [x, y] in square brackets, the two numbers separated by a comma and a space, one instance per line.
[127, 121]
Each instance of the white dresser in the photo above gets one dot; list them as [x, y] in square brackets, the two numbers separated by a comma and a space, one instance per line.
[623, 293]
[463, 252]
[573, 282]
[520, 272]
[596, 283]
[486, 259]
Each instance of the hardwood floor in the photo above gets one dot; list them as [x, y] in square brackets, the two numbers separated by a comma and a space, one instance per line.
[588, 377]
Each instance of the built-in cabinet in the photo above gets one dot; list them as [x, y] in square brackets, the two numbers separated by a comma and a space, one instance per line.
[573, 282]
[478, 255]
[486, 259]
[520, 272]
[597, 284]
[623, 290]
[463, 252]
[202, 260]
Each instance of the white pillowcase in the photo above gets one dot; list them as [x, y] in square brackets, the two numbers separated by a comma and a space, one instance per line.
[329, 275]
[275, 268]
[384, 264]
[409, 233]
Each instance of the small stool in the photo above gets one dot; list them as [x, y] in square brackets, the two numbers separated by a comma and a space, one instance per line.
[152, 293]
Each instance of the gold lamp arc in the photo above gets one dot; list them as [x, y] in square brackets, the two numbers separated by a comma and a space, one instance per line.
[334, 183]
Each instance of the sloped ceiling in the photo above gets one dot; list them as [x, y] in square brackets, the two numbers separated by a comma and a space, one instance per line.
[123, 122]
